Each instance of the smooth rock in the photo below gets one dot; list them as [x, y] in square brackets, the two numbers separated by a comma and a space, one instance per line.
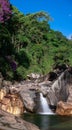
[11, 122]
[59, 89]
[28, 101]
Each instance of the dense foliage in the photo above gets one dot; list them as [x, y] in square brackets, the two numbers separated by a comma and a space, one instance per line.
[5, 10]
[28, 44]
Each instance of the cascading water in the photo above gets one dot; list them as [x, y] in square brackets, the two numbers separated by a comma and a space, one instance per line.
[44, 106]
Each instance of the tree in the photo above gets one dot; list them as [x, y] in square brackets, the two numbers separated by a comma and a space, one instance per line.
[5, 10]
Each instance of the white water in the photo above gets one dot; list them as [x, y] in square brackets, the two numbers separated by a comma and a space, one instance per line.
[44, 105]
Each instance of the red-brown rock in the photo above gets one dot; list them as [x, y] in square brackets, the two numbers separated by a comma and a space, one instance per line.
[11, 103]
[64, 108]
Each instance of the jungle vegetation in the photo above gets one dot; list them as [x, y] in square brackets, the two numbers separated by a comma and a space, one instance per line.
[29, 45]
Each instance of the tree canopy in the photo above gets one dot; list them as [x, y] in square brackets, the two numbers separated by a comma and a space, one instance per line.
[28, 44]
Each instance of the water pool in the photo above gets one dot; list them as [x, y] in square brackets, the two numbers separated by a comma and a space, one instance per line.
[49, 122]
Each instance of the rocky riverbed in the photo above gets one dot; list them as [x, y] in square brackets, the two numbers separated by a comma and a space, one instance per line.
[19, 97]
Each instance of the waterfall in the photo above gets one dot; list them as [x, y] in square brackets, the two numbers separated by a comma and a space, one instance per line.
[44, 105]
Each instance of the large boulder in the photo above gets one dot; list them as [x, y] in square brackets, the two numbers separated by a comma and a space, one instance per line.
[11, 122]
[26, 90]
[11, 103]
[59, 89]
[28, 101]
[64, 108]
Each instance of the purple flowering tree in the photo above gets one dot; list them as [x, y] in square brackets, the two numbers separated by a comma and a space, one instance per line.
[5, 10]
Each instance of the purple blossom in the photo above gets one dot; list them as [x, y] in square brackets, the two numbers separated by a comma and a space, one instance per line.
[13, 65]
[5, 10]
[12, 62]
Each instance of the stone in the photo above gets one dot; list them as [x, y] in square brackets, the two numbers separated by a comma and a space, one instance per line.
[64, 109]
[2, 93]
[59, 89]
[26, 90]
[33, 76]
[51, 97]
[11, 103]
[27, 100]
[6, 83]
[11, 122]
[69, 100]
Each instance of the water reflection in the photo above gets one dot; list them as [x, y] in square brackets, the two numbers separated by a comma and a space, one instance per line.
[49, 122]
[44, 123]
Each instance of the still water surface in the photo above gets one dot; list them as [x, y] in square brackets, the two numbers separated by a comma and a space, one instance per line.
[49, 122]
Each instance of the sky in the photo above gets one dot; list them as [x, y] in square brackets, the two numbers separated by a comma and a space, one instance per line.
[59, 10]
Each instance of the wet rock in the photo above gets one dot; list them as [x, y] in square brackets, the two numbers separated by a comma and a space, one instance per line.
[43, 90]
[64, 108]
[44, 87]
[11, 122]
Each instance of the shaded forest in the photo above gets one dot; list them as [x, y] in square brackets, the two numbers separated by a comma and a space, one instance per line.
[29, 45]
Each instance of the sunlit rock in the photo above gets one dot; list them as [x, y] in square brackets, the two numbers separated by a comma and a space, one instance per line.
[11, 103]
[2, 93]
[64, 108]
[33, 76]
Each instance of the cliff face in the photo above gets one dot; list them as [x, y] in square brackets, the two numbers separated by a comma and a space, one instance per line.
[60, 88]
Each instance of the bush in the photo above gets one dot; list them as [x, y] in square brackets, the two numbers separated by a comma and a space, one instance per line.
[21, 73]
[23, 58]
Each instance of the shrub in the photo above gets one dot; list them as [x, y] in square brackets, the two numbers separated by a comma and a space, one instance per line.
[21, 73]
